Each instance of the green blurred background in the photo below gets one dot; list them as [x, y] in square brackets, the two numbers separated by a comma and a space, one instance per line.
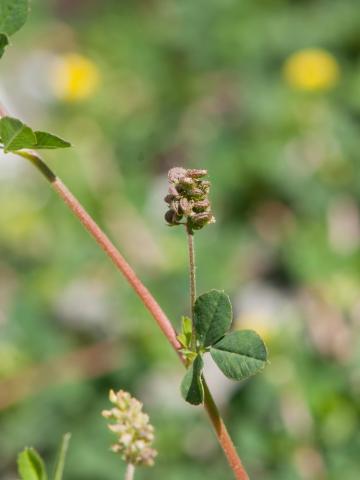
[264, 94]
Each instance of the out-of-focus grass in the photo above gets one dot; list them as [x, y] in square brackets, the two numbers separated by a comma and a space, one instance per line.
[200, 84]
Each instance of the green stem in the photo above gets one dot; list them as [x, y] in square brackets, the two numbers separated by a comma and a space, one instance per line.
[130, 471]
[192, 275]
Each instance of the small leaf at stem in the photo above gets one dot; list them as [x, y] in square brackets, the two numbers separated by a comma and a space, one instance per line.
[13, 15]
[59, 468]
[192, 388]
[4, 42]
[212, 317]
[31, 466]
[184, 336]
[240, 354]
[49, 141]
[15, 135]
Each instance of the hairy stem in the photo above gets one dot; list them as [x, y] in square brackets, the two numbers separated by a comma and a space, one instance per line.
[223, 435]
[209, 402]
[192, 275]
[105, 243]
[130, 471]
[148, 300]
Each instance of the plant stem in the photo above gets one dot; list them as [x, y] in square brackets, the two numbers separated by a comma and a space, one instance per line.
[192, 275]
[209, 402]
[148, 300]
[223, 435]
[130, 471]
[105, 243]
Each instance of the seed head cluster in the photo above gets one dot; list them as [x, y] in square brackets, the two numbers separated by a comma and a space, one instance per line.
[134, 432]
[187, 199]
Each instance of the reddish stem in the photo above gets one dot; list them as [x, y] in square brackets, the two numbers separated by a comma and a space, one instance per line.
[223, 435]
[148, 300]
[110, 249]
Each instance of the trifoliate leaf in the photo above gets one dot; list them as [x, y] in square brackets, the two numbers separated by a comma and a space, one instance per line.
[15, 135]
[212, 317]
[31, 465]
[4, 41]
[13, 15]
[59, 469]
[46, 140]
[192, 388]
[240, 354]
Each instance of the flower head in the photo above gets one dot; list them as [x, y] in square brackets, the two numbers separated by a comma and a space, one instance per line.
[311, 69]
[134, 432]
[188, 198]
[75, 78]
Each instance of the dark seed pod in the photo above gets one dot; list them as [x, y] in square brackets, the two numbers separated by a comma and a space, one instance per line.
[169, 198]
[172, 218]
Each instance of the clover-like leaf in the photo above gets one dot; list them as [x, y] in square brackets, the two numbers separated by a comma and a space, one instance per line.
[15, 135]
[59, 469]
[192, 388]
[4, 42]
[45, 140]
[212, 317]
[31, 466]
[240, 354]
[13, 15]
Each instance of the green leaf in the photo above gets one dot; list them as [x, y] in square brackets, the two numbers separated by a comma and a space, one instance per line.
[192, 388]
[184, 336]
[4, 41]
[31, 465]
[49, 141]
[16, 135]
[240, 354]
[212, 316]
[59, 469]
[13, 15]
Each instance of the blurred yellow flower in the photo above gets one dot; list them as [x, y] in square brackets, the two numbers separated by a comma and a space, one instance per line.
[262, 324]
[74, 78]
[312, 70]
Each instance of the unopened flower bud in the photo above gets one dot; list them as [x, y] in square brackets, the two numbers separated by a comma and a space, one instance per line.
[199, 220]
[176, 173]
[134, 432]
[196, 193]
[201, 206]
[186, 205]
[196, 173]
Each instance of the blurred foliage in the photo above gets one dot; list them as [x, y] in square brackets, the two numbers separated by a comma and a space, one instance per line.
[138, 87]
